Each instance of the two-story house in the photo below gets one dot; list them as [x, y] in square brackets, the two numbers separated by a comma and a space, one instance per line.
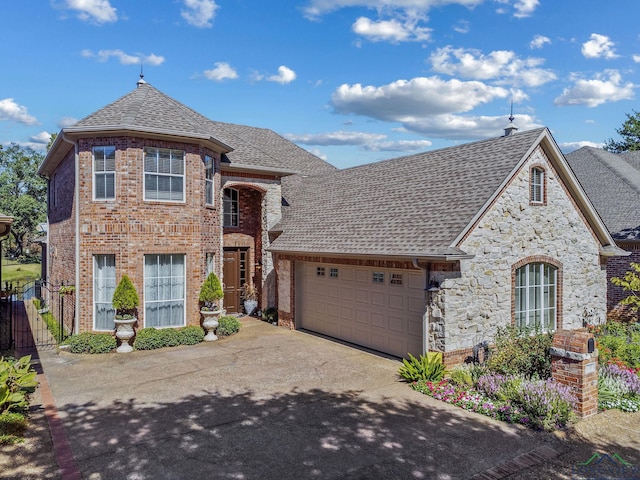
[150, 188]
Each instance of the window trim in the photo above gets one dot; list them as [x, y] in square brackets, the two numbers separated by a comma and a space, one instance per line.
[184, 290]
[537, 190]
[169, 175]
[208, 160]
[539, 259]
[103, 173]
[230, 214]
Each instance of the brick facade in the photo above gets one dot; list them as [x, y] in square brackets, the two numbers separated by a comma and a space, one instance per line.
[617, 267]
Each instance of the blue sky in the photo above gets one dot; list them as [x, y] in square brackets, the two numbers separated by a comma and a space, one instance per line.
[352, 81]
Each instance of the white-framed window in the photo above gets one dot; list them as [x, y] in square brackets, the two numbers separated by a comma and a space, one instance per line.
[210, 263]
[104, 173]
[537, 185]
[164, 290]
[104, 284]
[163, 174]
[209, 174]
[231, 208]
[536, 287]
[378, 277]
[396, 279]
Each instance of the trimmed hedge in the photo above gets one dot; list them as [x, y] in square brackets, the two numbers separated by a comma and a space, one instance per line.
[89, 342]
[227, 326]
[151, 338]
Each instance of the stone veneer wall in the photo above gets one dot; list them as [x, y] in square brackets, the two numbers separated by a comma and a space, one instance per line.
[473, 302]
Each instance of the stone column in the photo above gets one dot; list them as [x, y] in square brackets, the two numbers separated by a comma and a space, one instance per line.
[574, 362]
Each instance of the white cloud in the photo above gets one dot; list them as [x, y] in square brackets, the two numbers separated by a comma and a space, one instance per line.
[336, 138]
[539, 41]
[600, 46]
[499, 64]
[124, 58]
[390, 30]
[403, 99]
[317, 8]
[458, 127]
[462, 26]
[199, 13]
[285, 75]
[98, 11]
[67, 122]
[222, 71]
[41, 138]
[525, 8]
[567, 147]
[12, 112]
[636, 58]
[399, 146]
[604, 87]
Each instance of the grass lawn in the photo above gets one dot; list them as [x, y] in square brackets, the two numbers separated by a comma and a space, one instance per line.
[17, 273]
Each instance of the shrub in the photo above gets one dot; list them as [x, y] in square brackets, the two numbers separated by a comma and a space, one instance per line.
[17, 381]
[125, 298]
[89, 342]
[548, 404]
[500, 387]
[191, 335]
[148, 339]
[630, 283]
[211, 291]
[618, 387]
[428, 367]
[227, 326]
[12, 427]
[619, 343]
[521, 352]
[461, 375]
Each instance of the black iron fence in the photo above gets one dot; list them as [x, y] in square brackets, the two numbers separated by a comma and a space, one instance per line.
[35, 314]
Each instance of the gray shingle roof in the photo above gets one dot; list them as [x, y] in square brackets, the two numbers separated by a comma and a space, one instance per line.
[410, 206]
[147, 108]
[612, 183]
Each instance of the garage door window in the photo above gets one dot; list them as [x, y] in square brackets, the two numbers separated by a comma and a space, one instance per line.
[320, 272]
[396, 279]
[333, 272]
[378, 277]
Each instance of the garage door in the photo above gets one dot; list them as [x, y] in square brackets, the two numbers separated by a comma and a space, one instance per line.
[381, 309]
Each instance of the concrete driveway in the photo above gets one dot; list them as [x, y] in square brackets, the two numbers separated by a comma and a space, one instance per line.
[269, 403]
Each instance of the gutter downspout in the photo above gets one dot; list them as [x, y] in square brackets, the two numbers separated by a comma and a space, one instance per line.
[427, 314]
[76, 193]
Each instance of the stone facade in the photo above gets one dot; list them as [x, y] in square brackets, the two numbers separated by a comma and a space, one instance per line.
[478, 298]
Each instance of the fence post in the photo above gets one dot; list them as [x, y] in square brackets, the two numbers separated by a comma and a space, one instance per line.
[574, 362]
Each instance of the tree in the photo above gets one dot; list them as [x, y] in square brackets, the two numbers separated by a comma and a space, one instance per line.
[630, 283]
[630, 133]
[22, 194]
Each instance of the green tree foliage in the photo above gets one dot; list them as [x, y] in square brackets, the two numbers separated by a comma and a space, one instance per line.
[23, 193]
[630, 283]
[125, 298]
[211, 290]
[630, 133]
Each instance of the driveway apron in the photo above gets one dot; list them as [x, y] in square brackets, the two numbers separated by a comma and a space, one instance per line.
[268, 403]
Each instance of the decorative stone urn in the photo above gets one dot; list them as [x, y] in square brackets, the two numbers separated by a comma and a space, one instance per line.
[124, 333]
[210, 323]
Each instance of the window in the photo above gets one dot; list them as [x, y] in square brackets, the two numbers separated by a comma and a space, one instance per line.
[104, 284]
[104, 173]
[396, 279]
[210, 265]
[164, 290]
[333, 272]
[537, 185]
[209, 172]
[378, 277]
[320, 271]
[163, 174]
[230, 207]
[535, 296]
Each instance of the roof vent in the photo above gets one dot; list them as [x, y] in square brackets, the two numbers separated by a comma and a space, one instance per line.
[509, 129]
[141, 81]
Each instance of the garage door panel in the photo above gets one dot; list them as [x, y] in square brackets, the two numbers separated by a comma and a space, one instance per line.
[383, 316]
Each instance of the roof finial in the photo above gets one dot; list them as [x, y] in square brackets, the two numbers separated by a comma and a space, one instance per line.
[509, 129]
[141, 81]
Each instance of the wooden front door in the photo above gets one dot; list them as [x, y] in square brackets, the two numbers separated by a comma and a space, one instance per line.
[235, 275]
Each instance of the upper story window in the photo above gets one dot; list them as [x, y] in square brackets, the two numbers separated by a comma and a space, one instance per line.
[163, 174]
[209, 172]
[536, 289]
[104, 173]
[230, 207]
[537, 186]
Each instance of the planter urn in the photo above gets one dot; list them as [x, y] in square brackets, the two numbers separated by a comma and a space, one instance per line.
[124, 333]
[210, 323]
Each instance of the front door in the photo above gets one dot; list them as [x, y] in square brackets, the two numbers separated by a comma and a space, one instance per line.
[234, 276]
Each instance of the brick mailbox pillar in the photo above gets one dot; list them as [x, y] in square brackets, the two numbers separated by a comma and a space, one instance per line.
[574, 362]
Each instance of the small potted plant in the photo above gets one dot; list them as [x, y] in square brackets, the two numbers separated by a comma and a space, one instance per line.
[250, 297]
[125, 302]
[210, 294]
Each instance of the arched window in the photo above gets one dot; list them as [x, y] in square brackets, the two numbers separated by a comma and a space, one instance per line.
[536, 289]
[537, 186]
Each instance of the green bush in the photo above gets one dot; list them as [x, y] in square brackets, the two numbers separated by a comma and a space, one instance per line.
[619, 343]
[523, 352]
[428, 368]
[228, 325]
[211, 291]
[17, 381]
[12, 427]
[461, 375]
[125, 298]
[89, 342]
[191, 335]
[151, 338]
